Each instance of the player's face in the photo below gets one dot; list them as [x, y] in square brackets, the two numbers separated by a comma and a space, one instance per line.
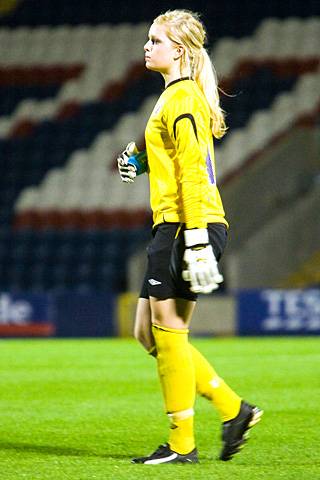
[160, 53]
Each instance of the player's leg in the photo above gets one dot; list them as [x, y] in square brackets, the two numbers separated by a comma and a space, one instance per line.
[143, 326]
[177, 378]
[176, 370]
[214, 388]
[208, 383]
[237, 416]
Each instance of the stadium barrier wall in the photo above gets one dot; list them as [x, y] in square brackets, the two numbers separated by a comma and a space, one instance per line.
[243, 312]
[27, 315]
[64, 314]
[214, 315]
[278, 312]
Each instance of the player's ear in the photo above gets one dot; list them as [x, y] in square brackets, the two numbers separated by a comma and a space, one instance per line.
[178, 52]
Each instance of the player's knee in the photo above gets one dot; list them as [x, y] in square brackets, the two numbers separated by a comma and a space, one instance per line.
[168, 321]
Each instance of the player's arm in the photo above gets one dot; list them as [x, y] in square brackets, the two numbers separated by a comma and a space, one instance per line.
[185, 128]
[201, 267]
[131, 163]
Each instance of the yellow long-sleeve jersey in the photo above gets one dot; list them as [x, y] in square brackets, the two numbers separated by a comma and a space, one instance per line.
[181, 158]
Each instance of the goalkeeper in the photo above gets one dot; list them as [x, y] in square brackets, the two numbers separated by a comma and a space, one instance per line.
[189, 234]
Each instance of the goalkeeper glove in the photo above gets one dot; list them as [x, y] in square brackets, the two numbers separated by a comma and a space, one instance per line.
[201, 265]
[131, 163]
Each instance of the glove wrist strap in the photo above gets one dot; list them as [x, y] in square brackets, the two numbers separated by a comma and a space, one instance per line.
[196, 236]
[139, 161]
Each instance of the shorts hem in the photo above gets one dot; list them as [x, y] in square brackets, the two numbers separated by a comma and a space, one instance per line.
[190, 297]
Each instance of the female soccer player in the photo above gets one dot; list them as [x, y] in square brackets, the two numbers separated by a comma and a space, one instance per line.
[189, 233]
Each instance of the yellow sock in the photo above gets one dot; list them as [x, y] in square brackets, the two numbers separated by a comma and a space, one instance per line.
[177, 377]
[211, 386]
[181, 437]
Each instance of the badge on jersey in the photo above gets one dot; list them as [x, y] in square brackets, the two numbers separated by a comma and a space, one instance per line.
[157, 108]
[210, 168]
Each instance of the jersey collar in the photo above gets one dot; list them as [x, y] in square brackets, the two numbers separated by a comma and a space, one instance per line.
[178, 80]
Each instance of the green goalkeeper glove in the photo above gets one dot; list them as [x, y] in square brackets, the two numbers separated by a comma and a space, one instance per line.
[131, 163]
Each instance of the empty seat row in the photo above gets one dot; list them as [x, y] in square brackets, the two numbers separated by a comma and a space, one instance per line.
[65, 44]
[273, 39]
[42, 260]
[70, 237]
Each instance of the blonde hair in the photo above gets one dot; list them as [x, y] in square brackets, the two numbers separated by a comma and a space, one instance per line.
[185, 28]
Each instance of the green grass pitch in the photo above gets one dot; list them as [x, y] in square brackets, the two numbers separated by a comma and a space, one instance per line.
[80, 409]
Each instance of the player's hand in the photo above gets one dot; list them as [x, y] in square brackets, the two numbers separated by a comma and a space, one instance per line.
[201, 267]
[127, 172]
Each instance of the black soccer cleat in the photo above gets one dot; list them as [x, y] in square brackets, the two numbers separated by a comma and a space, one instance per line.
[235, 432]
[164, 454]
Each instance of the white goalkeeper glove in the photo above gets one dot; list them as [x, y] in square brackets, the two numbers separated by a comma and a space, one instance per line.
[127, 172]
[201, 267]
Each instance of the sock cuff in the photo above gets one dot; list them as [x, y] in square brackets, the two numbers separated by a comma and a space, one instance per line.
[170, 330]
[182, 415]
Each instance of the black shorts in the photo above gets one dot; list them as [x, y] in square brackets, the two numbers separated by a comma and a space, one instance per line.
[163, 278]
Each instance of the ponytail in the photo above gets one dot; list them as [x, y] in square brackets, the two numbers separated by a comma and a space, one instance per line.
[205, 76]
